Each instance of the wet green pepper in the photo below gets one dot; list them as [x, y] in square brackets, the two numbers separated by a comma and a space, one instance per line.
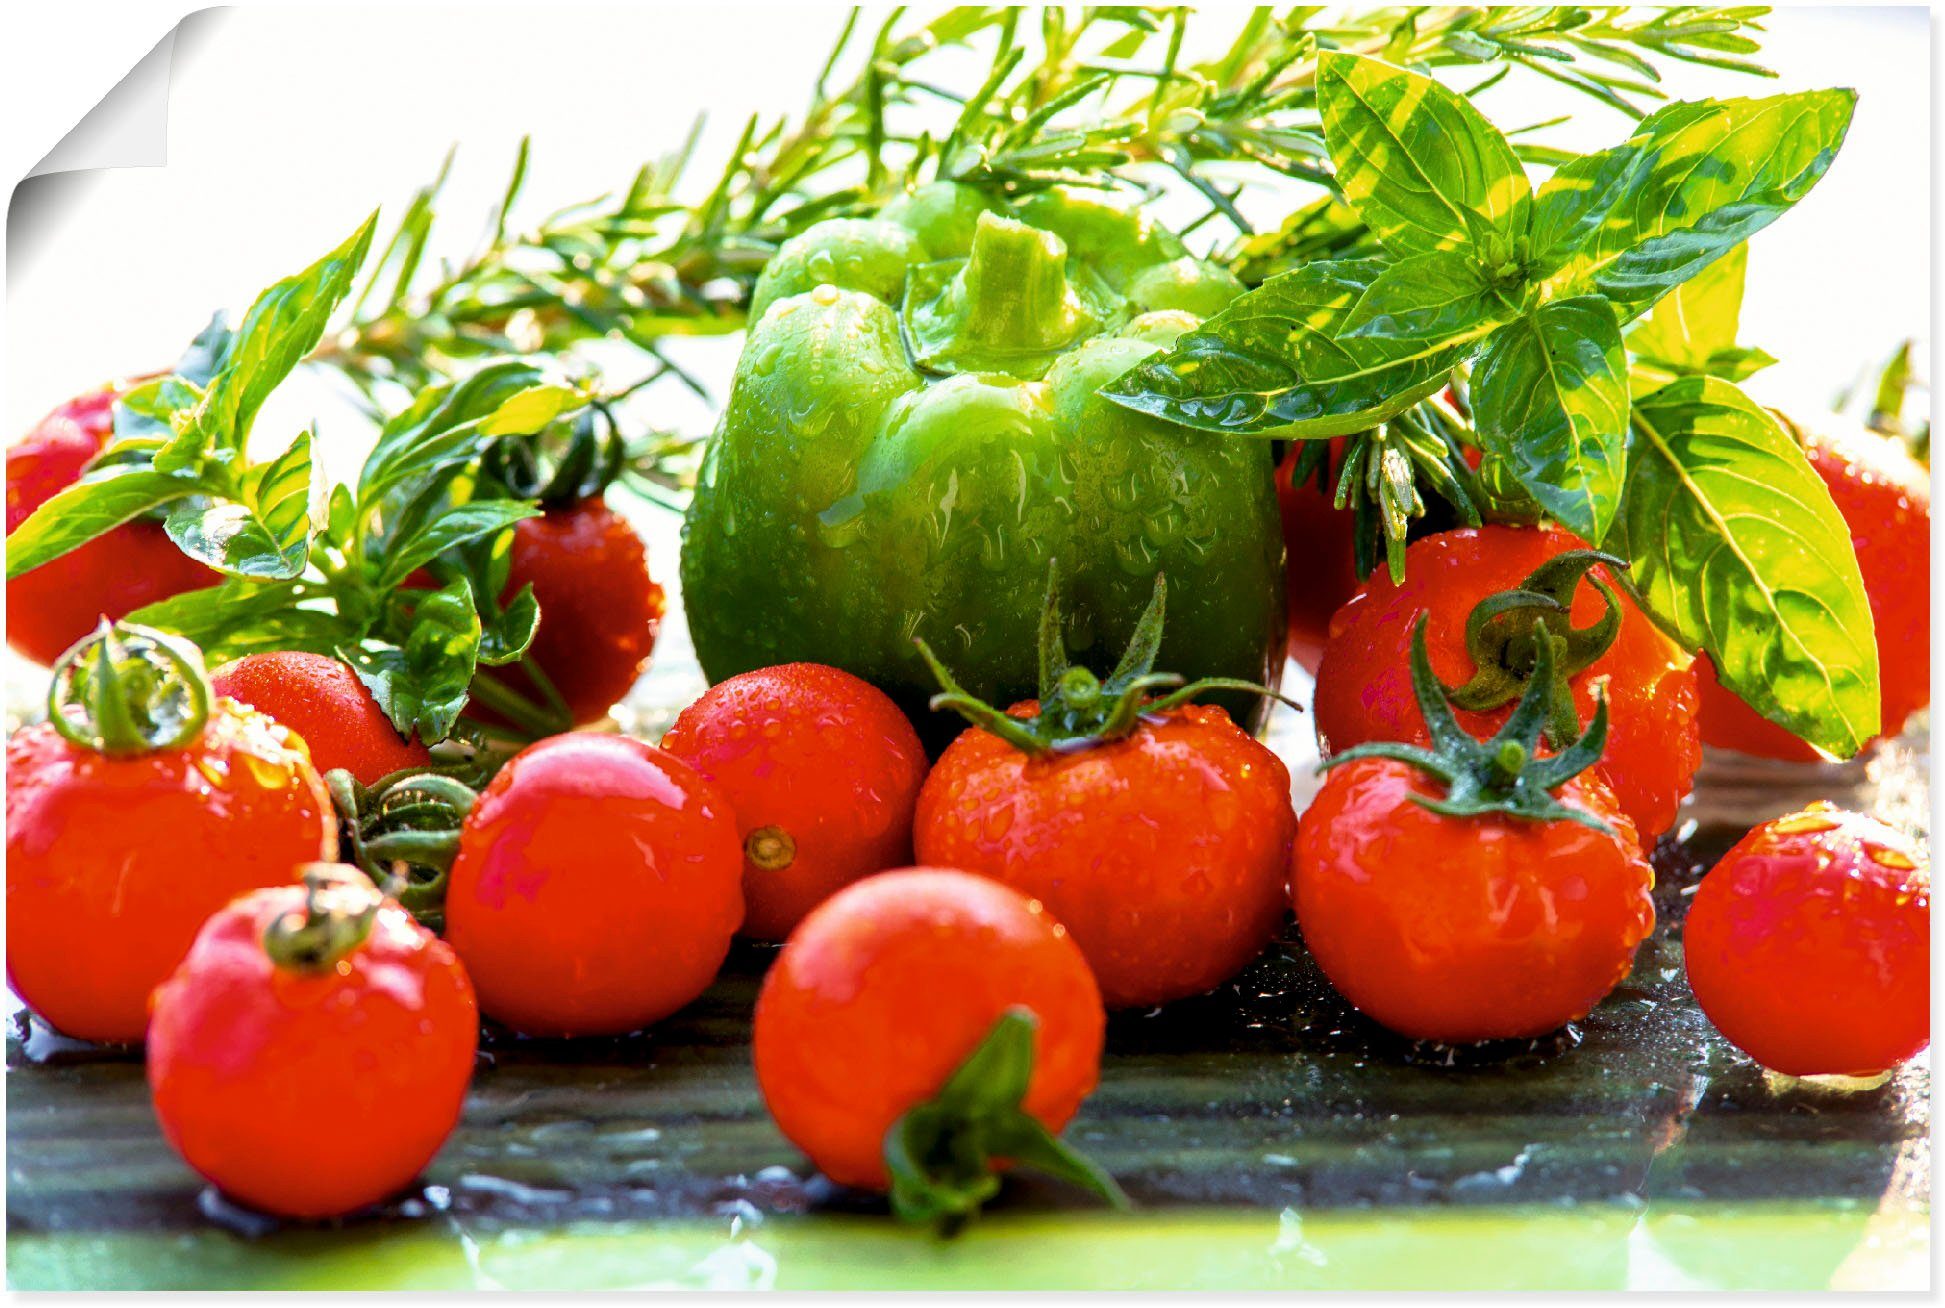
[913, 438]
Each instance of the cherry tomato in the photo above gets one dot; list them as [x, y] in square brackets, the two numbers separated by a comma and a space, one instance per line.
[1364, 682]
[823, 772]
[311, 1054]
[322, 700]
[599, 609]
[596, 888]
[1320, 572]
[1165, 852]
[1885, 498]
[114, 859]
[1467, 928]
[111, 576]
[889, 986]
[1809, 945]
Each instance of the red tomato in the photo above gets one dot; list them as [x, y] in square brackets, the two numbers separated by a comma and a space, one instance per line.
[114, 861]
[823, 772]
[57, 604]
[322, 700]
[1885, 498]
[597, 885]
[885, 990]
[1165, 852]
[1364, 683]
[1809, 945]
[312, 1088]
[1321, 570]
[1467, 928]
[599, 609]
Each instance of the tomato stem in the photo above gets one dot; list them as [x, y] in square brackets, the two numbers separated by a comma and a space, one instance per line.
[339, 907]
[127, 689]
[1077, 709]
[941, 1154]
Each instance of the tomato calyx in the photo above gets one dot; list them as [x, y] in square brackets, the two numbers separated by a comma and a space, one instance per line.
[1505, 630]
[1505, 773]
[128, 689]
[940, 1154]
[403, 832]
[339, 907]
[1076, 708]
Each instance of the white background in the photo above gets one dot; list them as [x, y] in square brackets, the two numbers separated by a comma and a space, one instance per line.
[289, 123]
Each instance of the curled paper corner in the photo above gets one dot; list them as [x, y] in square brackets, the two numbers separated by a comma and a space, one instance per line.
[127, 128]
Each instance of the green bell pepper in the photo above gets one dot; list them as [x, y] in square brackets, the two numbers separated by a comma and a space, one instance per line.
[913, 438]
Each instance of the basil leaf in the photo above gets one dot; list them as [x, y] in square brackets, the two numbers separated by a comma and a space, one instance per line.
[238, 617]
[1693, 182]
[456, 526]
[283, 326]
[1426, 298]
[1276, 361]
[1420, 165]
[421, 684]
[1692, 330]
[442, 427]
[87, 509]
[1551, 399]
[504, 637]
[1736, 548]
[262, 532]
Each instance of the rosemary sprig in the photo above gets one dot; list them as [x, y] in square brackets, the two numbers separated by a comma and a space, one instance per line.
[1104, 95]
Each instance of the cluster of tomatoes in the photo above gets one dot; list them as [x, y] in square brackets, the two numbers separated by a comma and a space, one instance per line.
[1506, 735]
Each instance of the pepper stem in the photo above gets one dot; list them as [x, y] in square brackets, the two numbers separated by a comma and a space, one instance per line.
[941, 1154]
[339, 907]
[1013, 290]
[129, 690]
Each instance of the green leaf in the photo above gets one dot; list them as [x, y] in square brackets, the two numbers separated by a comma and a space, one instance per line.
[264, 531]
[1735, 548]
[1286, 360]
[1694, 181]
[421, 683]
[1421, 166]
[87, 509]
[442, 427]
[1692, 330]
[283, 326]
[456, 526]
[240, 616]
[1551, 399]
[530, 411]
[1426, 298]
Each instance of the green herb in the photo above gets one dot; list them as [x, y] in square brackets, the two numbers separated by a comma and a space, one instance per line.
[1533, 286]
[1738, 550]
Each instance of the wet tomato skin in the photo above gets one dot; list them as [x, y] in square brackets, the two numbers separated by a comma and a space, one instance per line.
[1364, 682]
[1165, 852]
[322, 700]
[886, 988]
[136, 564]
[311, 1093]
[599, 608]
[823, 772]
[1320, 570]
[1809, 945]
[1885, 499]
[114, 862]
[596, 888]
[1466, 929]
